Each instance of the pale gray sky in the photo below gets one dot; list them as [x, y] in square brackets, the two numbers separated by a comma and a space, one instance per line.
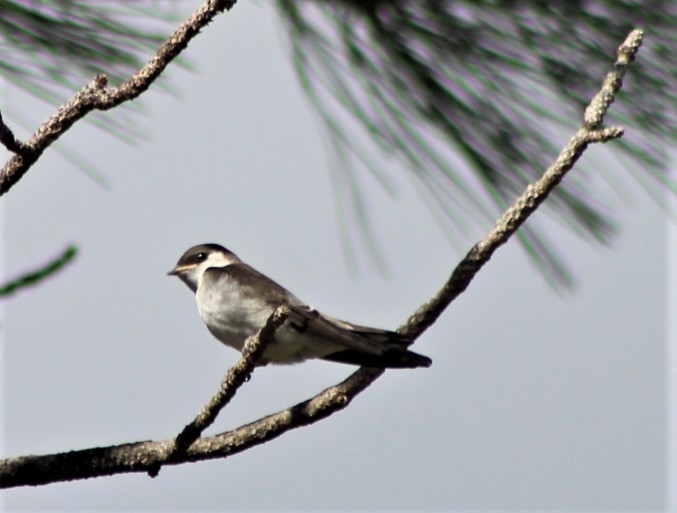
[535, 401]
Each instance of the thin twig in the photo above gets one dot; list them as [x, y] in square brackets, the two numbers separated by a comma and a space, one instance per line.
[146, 456]
[594, 113]
[535, 193]
[35, 277]
[252, 352]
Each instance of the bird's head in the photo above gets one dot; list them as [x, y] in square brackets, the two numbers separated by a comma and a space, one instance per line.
[194, 262]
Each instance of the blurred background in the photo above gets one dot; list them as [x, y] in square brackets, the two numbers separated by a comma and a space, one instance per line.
[551, 380]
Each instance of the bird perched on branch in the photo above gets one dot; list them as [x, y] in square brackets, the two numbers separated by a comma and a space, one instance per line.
[235, 301]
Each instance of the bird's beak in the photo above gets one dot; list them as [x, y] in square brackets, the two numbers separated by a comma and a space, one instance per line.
[179, 269]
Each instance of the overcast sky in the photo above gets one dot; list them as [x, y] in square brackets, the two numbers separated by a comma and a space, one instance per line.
[535, 401]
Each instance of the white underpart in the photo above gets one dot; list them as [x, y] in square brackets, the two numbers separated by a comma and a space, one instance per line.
[231, 317]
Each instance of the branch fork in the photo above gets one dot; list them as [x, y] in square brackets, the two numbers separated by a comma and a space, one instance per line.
[241, 372]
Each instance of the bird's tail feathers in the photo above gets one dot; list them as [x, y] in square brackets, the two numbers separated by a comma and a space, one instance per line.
[391, 359]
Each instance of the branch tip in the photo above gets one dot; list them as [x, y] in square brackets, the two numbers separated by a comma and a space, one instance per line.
[630, 47]
[595, 112]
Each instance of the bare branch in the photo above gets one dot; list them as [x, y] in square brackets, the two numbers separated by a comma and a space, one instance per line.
[252, 352]
[35, 277]
[535, 194]
[95, 95]
[149, 456]
[594, 113]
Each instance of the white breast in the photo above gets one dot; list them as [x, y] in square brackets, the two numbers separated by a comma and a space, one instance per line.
[232, 317]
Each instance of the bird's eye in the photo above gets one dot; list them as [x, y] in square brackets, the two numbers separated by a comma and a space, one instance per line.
[200, 257]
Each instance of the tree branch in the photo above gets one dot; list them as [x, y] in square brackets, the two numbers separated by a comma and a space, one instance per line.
[149, 456]
[95, 96]
[252, 352]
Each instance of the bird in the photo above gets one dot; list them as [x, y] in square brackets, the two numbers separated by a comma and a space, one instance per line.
[235, 301]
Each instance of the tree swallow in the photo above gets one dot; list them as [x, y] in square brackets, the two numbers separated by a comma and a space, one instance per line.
[235, 301]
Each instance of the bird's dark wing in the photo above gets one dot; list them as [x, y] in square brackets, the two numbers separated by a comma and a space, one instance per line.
[376, 346]
[252, 284]
[389, 338]
[393, 349]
